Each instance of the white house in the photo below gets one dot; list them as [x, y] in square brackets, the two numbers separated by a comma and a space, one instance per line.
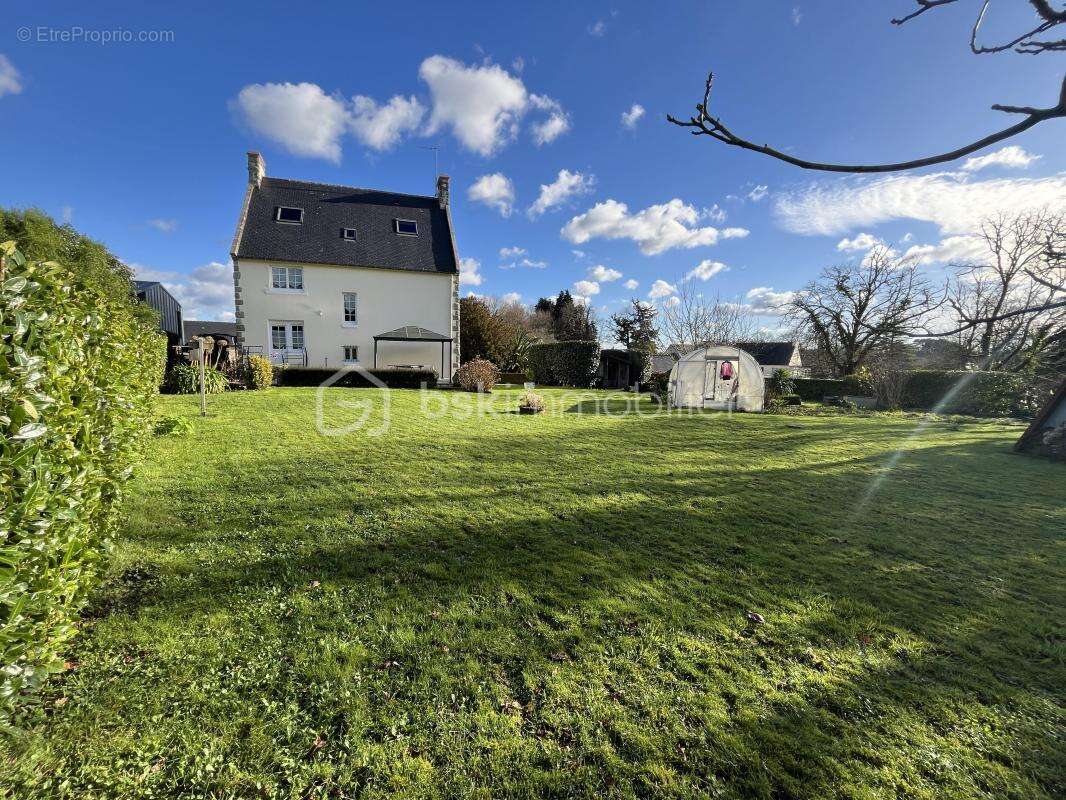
[330, 275]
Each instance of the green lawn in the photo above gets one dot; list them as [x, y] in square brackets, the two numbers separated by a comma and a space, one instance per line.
[557, 606]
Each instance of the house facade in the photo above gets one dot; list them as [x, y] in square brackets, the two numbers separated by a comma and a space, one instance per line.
[325, 276]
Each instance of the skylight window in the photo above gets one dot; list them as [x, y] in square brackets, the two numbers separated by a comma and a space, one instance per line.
[406, 227]
[348, 234]
[293, 216]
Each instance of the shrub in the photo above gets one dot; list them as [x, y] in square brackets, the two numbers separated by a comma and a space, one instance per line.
[260, 372]
[477, 375]
[658, 384]
[185, 379]
[531, 401]
[780, 384]
[791, 400]
[392, 377]
[573, 363]
[79, 372]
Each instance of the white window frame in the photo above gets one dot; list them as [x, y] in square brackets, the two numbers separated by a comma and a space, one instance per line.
[346, 237]
[345, 322]
[396, 227]
[288, 272]
[290, 347]
[277, 215]
[344, 353]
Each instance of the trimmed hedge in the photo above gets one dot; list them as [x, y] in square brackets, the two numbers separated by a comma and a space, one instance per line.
[565, 363]
[513, 377]
[392, 377]
[982, 394]
[814, 389]
[78, 376]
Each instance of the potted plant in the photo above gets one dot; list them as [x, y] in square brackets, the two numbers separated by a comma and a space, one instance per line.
[530, 403]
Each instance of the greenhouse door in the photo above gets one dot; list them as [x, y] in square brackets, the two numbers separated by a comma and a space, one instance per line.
[710, 381]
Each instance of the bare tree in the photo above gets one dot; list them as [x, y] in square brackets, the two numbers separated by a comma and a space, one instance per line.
[853, 310]
[1016, 276]
[692, 319]
[704, 124]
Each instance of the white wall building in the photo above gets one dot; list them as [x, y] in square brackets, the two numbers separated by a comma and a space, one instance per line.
[319, 271]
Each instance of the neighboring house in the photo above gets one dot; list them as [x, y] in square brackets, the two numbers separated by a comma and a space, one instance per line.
[774, 356]
[329, 275]
[226, 331]
[155, 295]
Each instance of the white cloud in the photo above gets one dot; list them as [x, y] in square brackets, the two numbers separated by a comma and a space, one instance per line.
[715, 214]
[671, 301]
[205, 293]
[952, 201]
[68, 214]
[557, 123]
[518, 64]
[604, 274]
[758, 193]
[797, 15]
[512, 252]
[10, 79]
[586, 288]
[1011, 156]
[764, 300]
[484, 104]
[661, 289]
[164, 225]
[381, 127]
[706, 270]
[566, 185]
[470, 271]
[299, 116]
[511, 298]
[952, 249]
[655, 229]
[530, 264]
[864, 241]
[632, 117]
[495, 190]
[631, 284]
[578, 253]
[481, 104]
[598, 28]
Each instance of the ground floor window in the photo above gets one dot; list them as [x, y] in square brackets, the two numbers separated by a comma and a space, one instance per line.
[287, 335]
[351, 354]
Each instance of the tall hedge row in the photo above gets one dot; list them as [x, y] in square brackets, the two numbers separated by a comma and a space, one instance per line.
[565, 363]
[78, 374]
[986, 394]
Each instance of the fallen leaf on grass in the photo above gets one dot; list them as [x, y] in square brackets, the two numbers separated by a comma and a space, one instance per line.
[756, 617]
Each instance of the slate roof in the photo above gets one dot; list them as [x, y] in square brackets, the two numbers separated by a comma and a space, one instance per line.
[328, 209]
[770, 353]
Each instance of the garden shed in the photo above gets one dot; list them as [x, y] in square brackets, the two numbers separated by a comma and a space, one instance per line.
[717, 377]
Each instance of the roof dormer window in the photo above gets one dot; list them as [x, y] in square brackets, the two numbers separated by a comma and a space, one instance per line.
[293, 216]
[348, 234]
[406, 227]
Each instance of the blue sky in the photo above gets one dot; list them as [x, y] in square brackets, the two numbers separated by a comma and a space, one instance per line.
[141, 144]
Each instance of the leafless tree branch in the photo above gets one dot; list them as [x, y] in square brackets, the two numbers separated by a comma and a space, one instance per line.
[704, 124]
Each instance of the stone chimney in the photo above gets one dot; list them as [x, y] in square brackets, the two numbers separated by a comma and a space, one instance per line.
[442, 190]
[257, 168]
